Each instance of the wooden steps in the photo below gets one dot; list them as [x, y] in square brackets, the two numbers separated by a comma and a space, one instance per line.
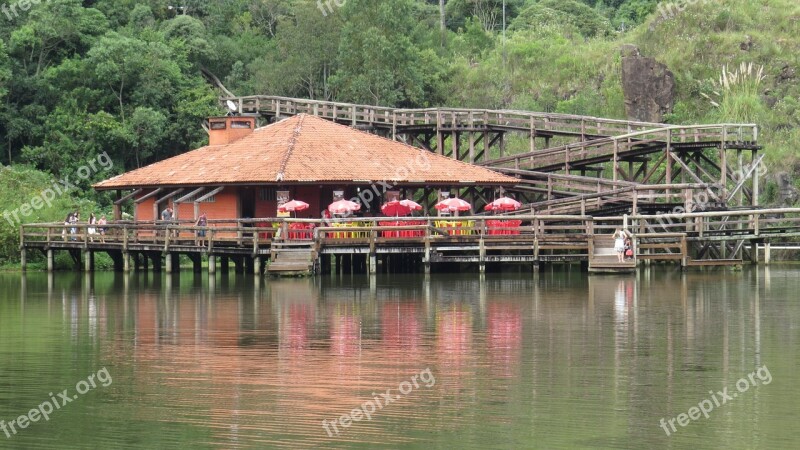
[292, 258]
[603, 258]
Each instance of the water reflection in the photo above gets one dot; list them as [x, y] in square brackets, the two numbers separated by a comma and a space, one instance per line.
[240, 363]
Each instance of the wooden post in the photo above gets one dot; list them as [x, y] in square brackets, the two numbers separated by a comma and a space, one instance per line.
[50, 265]
[755, 180]
[168, 261]
[767, 253]
[87, 260]
[256, 265]
[23, 259]
[481, 256]
[212, 264]
[126, 262]
[668, 159]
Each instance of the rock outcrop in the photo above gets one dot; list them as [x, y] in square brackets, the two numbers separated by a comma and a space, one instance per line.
[648, 86]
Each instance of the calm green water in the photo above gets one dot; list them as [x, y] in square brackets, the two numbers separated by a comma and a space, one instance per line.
[556, 360]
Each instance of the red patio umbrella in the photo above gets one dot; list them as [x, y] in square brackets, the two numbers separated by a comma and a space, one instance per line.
[503, 204]
[453, 204]
[343, 207]
[400, 207]
[293, 206]
[411, 204]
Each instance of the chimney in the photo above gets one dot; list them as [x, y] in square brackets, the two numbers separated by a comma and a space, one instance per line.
[225, 130]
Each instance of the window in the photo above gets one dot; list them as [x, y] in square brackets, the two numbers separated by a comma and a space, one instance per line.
[240, 124]
[267, 195]
[218, 125]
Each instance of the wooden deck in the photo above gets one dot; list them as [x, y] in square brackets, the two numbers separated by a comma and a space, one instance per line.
[300, 246]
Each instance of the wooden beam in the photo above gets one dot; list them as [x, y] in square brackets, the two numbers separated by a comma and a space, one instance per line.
[151, 194]
[128, 197]
[190, 195]
[170, 195]
[210, 194]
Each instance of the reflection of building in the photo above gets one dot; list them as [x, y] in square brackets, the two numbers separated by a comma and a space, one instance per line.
[400, 326]
[504, 336]
[454, 334]
[345, 328]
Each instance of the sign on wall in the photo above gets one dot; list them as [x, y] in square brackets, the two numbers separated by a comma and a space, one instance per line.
[282, 197]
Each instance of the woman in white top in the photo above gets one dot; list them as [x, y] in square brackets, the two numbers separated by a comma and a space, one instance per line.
[619, 244]
[92, 229]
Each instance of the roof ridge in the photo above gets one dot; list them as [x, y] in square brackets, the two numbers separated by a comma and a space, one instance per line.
[292, 144]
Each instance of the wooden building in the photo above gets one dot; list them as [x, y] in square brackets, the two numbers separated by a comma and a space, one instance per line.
[246, 171]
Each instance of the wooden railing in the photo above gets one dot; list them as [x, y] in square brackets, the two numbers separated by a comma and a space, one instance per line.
[441, 118]
[257, 233]
[610, 148]
[636, 196]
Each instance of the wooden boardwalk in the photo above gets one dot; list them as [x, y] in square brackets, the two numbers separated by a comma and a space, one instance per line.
[620, 154]
[425, 244]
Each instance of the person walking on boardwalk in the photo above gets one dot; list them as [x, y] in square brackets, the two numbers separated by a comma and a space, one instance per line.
[166, 218]
[67, 223]
[76, 217]
[202, 221]
[92, 230]
[102, 229]
[619, 244]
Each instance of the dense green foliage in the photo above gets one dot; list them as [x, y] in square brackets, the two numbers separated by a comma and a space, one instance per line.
[125, 76]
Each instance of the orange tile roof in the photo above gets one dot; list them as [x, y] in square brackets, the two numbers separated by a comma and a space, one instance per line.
[306, 149]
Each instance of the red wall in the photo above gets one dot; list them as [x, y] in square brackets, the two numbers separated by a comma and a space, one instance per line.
[226, 205]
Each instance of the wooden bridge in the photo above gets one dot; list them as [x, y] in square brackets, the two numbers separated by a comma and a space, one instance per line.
[530, 145]
[371, 245]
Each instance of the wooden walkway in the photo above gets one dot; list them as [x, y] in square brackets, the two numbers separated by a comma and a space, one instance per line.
[425, 244]
[722, 157]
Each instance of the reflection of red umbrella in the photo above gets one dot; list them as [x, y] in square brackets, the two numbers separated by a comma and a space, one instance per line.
[453, 204]
[503, 204]
[343, 207]
[400, 207]
[292, 206]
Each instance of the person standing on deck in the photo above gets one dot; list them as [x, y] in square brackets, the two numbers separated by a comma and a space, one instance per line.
[102, 229]
[166, 218]
[202, 221]
[619, 244]
[92, 230]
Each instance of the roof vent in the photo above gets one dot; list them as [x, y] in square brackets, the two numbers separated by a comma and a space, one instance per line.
[225, 130]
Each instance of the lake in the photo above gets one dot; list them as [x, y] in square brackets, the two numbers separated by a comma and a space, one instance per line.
[558, 359]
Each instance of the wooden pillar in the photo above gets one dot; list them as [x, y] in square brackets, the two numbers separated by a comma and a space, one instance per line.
[23, 259]
[481, 257]
[126, 262]
[50, 261]
[88, 260]
[257, 265]
[753, 252]
[373, 264]
[168, 261]
[767, 253]
[224, 264]
[755, 179]
[212, 264]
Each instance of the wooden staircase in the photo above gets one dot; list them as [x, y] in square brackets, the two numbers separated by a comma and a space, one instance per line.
[292, 258]
[603, 258]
